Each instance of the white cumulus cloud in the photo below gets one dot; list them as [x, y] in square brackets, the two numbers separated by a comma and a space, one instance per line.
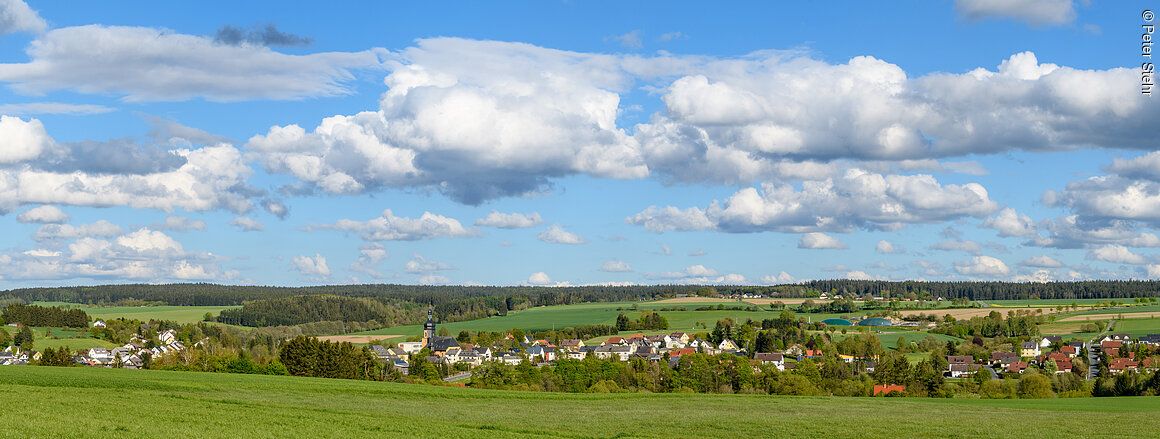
[43, 215]
[1116, 254]
[247, 224]
[389, 227]
[616, 267]
[16, 16]
[557, 235]
[983, 266]
[510, 220]
[313, 267]
[820, 241]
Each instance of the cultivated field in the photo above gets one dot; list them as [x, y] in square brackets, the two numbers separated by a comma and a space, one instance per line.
[180, 314]
[123, 403]
[359, 339]
[1087, 317]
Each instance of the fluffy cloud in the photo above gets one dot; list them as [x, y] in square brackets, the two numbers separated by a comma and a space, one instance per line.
[61, 232]
[194, 179]
[780, 278]
[1035, 12]
[247, 224]
[1010, 223]
[179, 223]
[697, 275]
[369, 257]
[476, 120]
[1110, 197]
[389, 227]
[147, 64]
[43, 215]
[1116, 254]
[16, 16]
[421, 265]
[616, 267]
[434, 279]
[1042, 261]
[479, 120]
[857, 199]
[861, 275]
[143, 255]
[737, 120]
[886, 247]
[510, 220]
[21, 141]
[968, 246]
[820, 240]
[312, 267]
[557, 235]
[1074, 232]
[984, 266]
[539, 278]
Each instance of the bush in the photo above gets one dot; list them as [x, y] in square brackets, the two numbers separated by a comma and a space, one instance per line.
[1035, 386]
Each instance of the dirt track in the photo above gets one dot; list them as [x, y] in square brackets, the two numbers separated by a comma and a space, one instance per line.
[357, 338]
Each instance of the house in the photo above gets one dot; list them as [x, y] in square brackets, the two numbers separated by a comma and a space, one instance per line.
[678, 353]
[168, 336]
[440, 345]
[959, 365]
[1070, 351]
[776, 359]
[615, 341]
[1030, 349]
[411, 347]
[681, 337]
[795, 351]
[658, 341]
[813, 353]
[572, 344]
[401, 365]
[1063, 366]
[884, 389]
[1124, 338]
[958, 370]
[99, 324]
[380, 351]
[1017, 367]
[100, 355]
[727, 345]
[1121, 365]
[1151, 339]
[1047, 341]
[1111, 344]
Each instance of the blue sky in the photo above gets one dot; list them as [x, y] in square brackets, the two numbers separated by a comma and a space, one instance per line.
[573, 143]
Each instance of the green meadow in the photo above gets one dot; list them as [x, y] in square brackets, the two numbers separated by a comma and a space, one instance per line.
[62, 337]
[180, 314]
[124, 403]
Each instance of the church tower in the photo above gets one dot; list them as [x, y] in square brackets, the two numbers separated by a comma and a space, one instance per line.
[428, 329]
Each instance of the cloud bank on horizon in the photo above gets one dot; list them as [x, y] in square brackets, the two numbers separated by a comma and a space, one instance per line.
[541, 163]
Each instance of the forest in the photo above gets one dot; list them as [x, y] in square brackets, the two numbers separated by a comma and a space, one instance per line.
[33, 315]
[456, 302]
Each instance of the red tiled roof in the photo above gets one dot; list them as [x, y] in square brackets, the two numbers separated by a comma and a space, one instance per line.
[887, 388]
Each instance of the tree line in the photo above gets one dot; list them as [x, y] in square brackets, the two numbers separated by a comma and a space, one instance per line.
[35, 315]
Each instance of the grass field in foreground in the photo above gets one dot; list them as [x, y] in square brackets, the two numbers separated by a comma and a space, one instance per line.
[180, 314]
[123, 403]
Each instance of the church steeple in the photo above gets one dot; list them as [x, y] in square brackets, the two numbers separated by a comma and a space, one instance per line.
[428, 328]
